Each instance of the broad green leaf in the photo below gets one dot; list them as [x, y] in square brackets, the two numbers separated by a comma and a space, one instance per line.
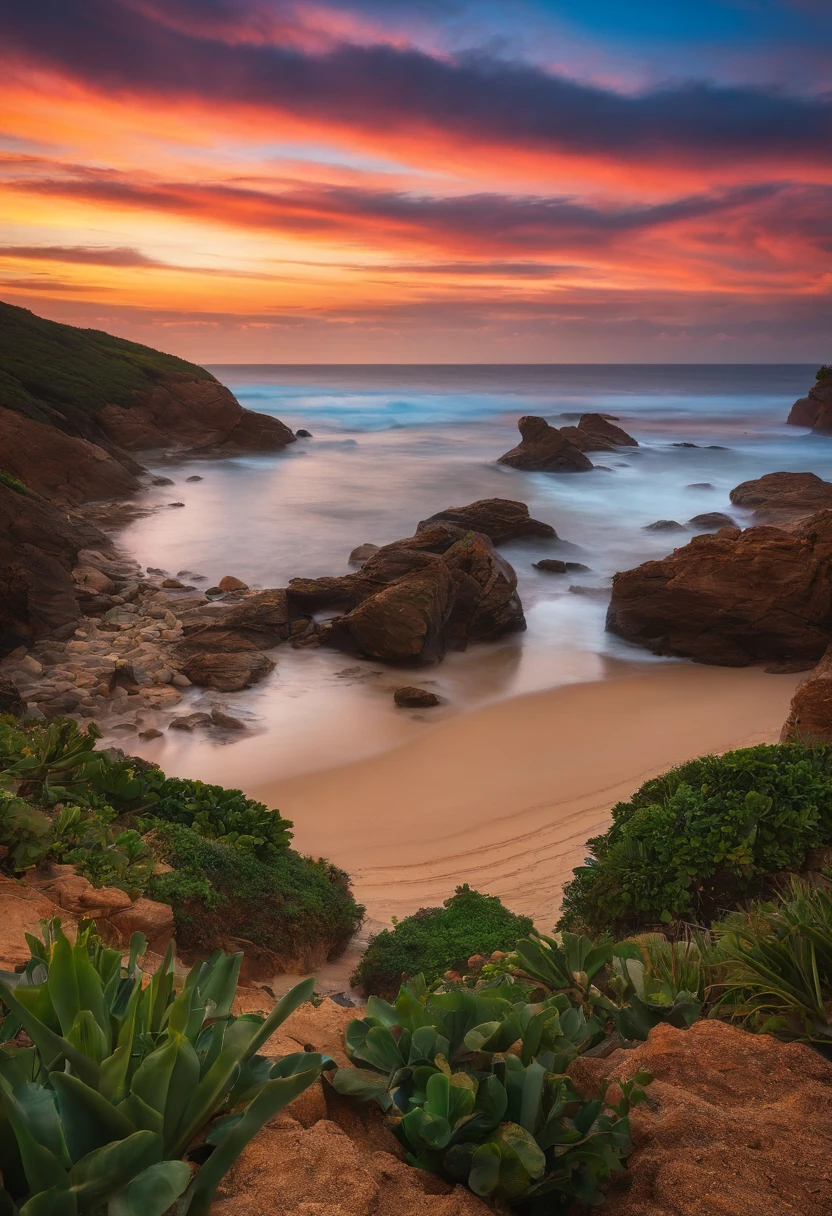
[153, 1191]
[52, 1047]
[57, 1201]
[90, 1121]
[484, 1177]
[40, 1112]
[63, 984]
[359, 1083]
[105, 1171]
[88, 1037]
[42, 1168]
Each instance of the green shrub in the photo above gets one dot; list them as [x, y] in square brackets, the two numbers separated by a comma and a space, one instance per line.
[509, 1124]
[219, 814]
[823, 372]
[118, 1080]
[289, 903]
[435, 940]
[703, 837]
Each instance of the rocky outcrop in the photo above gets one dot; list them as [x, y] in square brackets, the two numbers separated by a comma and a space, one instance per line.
[543, 449]
[11, 702]
[815, 409]
[188, 411]
[229, 655]
[500, 519]
[783, 495]
[596, 433]
[738, 1124]
[810, 713]
[39, 547]
[733, 598]
[416, 598]
[60, 466]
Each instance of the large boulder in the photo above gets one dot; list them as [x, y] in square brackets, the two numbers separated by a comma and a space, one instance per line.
[810, 713]
[225, 670]
[228, 654]
[61, 466]
[543, 449]
[815, 409]
[414, 599]
[499, 519]
[595, 433]
[22, 908]
[733, 598]
[738, 1124]
[781, 495]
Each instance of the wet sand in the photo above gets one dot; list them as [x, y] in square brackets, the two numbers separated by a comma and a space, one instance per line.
[505, 797]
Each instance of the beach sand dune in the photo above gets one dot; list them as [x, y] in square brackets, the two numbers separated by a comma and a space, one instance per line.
[505, 797]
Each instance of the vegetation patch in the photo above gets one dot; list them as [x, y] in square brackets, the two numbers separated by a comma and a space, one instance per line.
[13, 483]
[436, 940]
[704, 836]
[233, 872]
[61, 374]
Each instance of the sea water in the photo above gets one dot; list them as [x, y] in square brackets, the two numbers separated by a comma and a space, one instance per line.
[392, 445]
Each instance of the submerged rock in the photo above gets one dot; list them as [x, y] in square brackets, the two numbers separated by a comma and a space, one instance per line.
[664, 525]
[362, 553]
[550, 565]
[411, 697]
[229, 583]
[712, 521]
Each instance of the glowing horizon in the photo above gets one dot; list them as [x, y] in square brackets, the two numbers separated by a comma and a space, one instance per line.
[268, 181]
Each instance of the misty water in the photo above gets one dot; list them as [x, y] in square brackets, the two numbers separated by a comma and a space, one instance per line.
[392, 445]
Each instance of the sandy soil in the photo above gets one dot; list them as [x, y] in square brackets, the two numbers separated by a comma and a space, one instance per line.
[505, 797]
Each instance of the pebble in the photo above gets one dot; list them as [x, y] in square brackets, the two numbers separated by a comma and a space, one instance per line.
[181, 680]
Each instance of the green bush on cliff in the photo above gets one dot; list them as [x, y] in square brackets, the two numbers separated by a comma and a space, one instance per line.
[702, 837]
[289, 903]
[435, 940]
[62, 374]
[823, 372]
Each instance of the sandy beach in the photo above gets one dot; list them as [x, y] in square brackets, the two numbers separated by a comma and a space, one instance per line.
[505, 797]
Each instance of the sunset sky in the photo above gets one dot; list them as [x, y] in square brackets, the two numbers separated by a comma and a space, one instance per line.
[423, 180]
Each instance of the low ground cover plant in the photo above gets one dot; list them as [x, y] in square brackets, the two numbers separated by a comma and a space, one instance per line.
[117, 1078]
[702, 838]
[436, 940]
[508, 1124]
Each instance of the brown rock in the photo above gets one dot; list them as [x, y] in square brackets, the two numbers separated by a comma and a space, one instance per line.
[788, 492]
[39, 548]
[499, 519]
[147, 916]
[323, 1172]
[227, 671]
[226, 721]
[550, 565]
[404, 622]
[544, 449]
[711, 521]
[93, 580]
[362, 553]
[77, 895]
[190, 722]
[741, 1125]
[814, 410]
[411, 697]
[22, 908]
[193, 412]
[664, 525]
[733, 598]
[60, 466]
[810, 713]
[600, 429]
[229, 583]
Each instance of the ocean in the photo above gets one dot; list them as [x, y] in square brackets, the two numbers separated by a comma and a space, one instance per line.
[392, 445]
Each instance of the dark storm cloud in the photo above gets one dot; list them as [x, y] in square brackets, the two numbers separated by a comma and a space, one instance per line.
[113, 45]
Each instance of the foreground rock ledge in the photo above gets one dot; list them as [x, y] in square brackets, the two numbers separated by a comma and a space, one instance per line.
[741, 1125]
